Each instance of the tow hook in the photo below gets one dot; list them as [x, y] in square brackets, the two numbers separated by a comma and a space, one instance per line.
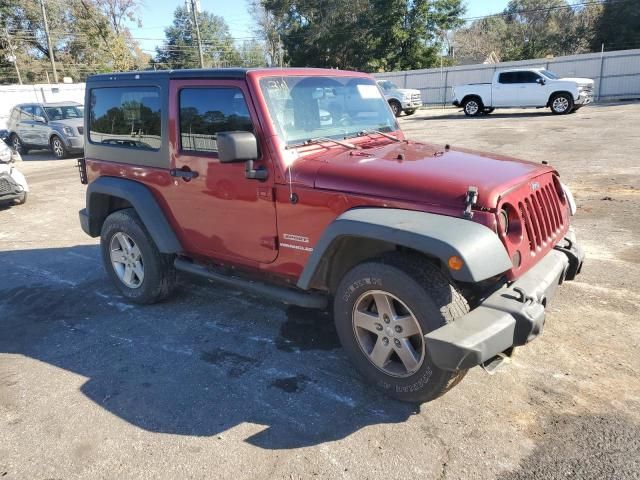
[491, 365]
[470, 200]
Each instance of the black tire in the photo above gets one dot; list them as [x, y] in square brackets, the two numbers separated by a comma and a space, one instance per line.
[488, 111]
[396, 108]
[429, 296]
[159, 277]
[57, 147]
[472, 107]
[17, 144]
[410, 111]
[561, 103]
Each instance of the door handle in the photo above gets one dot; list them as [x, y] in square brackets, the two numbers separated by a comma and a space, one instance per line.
[186, 175]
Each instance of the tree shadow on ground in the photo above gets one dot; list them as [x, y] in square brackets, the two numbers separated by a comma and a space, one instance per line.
[201, 363]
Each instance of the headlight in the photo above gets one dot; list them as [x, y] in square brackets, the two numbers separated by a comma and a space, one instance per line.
[68, 131]
[570, 200]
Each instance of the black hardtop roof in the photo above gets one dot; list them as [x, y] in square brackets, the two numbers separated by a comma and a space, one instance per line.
[204, 73]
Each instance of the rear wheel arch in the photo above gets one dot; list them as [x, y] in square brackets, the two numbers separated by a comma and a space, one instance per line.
[110, 194]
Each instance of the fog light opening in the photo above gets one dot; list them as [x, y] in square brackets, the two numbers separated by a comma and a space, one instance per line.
[516, 259]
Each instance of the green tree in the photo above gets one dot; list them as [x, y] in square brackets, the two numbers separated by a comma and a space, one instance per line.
[368, 35]
[619, 26]
[180, 49]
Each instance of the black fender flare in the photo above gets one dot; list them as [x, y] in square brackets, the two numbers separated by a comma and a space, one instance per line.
[141, 199]
[438, 236]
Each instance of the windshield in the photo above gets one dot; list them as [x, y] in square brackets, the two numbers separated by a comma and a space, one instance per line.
[387, 85]
[306, 108]
[63, 112]
[549, 74]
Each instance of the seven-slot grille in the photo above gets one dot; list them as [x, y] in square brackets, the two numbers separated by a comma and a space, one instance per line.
[541, 214]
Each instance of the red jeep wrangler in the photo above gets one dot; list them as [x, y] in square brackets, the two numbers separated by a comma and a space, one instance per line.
[297, 184]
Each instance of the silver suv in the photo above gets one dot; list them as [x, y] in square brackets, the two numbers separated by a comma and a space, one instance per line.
[56, 126]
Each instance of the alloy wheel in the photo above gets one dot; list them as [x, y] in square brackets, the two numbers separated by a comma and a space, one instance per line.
[388, 333]
[126, 260]
[58, 148]
[560, 104]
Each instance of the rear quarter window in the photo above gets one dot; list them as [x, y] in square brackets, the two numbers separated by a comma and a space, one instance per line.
[129, 117]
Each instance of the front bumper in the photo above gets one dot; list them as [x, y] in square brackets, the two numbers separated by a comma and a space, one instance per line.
[74, 144]
[512, 316]
[9, 188]
[456, 103]
[411, 105]
[584, 98]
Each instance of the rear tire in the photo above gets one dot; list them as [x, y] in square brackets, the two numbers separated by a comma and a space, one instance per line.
[472, 107]
[561, 104]
[388, 349]
[17, 144]
[396, 108]
[132, 260]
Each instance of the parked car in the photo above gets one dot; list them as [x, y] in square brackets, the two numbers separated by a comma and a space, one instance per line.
[13, 185]
[400, 100]
[56, 126]
[523, 88]
[434, 259]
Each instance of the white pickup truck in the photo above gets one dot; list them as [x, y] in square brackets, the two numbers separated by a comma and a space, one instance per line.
[400, 100]
[522, 88]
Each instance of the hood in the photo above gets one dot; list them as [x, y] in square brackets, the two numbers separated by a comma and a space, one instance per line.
[407, 91]
[69, 122]
[579, 81]
[422, 173]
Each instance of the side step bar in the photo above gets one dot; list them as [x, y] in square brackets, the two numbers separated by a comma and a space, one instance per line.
[283, 294]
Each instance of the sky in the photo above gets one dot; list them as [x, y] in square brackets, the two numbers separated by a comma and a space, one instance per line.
[158, 14]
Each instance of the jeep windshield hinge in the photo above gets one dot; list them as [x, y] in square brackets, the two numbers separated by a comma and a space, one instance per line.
[259, 173]
[470, 200]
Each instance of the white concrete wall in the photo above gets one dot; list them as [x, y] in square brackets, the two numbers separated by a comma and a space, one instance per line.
[616, 75]
[11, 95]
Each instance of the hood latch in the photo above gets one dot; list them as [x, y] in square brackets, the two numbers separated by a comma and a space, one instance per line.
[470, 200]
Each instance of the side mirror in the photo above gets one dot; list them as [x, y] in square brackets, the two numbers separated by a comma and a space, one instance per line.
[236, 146]
[40, 119]
[241, 147]
[540, 80]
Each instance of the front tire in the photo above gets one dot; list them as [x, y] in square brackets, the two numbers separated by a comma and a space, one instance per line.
[410, 111]
[396, 108]
[141, 273]
[58, 148]
[561, 104]
[472, 107]
[382, 309]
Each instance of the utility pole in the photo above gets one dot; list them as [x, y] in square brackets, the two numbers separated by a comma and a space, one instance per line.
[195, 22]
[46, 31]
[13, 55]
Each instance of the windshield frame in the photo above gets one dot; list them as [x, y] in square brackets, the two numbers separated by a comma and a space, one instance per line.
[388, 125]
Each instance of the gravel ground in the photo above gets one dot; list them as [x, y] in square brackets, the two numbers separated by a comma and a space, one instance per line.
[219, 384]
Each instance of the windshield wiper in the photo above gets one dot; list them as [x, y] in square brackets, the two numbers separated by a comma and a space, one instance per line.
[369, 131]
[310, 141]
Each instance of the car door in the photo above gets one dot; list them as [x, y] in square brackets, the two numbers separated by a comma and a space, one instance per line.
[506, 91]
[220, 212]
[25, 124]
[534, 93]
[40, 129]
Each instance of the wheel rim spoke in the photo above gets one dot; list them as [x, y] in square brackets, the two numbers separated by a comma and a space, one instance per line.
[127, 261]
[118, 256]
[408, 326]
[367, 321]
[380, 353]
[128, 275]
[408, 356]
[139, 271]
[384, 306]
